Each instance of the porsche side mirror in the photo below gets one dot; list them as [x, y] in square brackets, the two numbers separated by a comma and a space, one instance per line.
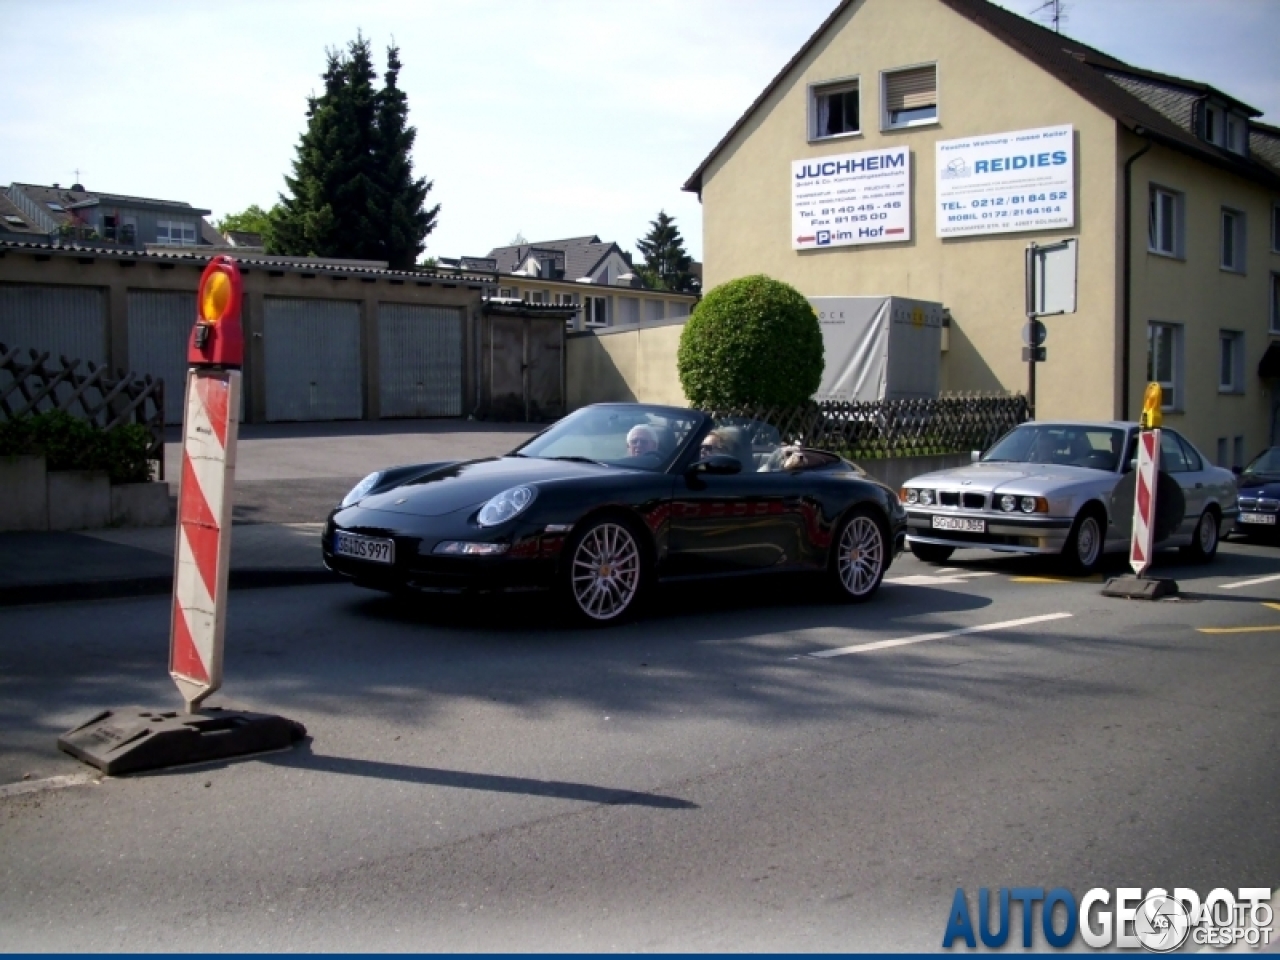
[716, 464]
[975, 456]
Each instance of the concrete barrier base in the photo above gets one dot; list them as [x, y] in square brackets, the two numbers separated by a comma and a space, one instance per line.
[78, 499]
[140, 505]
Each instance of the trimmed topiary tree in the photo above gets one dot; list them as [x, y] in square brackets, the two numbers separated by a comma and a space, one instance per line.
[753, 340]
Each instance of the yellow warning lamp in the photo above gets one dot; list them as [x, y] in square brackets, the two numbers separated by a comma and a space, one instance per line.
[217, 339]
[1152, 401]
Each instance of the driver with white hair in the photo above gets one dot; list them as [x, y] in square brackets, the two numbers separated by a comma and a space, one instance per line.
[642, 439]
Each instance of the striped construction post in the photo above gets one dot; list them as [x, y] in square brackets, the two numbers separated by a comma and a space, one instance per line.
[1144, 501]
[210, 426]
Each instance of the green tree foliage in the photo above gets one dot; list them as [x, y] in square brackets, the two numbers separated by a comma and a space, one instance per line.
[666, 264]
[353, 193]
[252, 219]
[753, 340]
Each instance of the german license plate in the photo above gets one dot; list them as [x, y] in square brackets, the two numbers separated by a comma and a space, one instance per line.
[364, 548]
[1267, 518]
[963, 524]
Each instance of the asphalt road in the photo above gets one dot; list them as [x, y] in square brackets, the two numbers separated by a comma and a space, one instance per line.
[480, 777]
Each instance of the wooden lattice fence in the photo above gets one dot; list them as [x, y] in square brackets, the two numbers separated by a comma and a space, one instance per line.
[951, 423]
[34, 385]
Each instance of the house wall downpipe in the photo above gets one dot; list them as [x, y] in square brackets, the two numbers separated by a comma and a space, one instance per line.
[1126, 349]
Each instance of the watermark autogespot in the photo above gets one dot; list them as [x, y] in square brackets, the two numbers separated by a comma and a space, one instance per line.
[1157, 920]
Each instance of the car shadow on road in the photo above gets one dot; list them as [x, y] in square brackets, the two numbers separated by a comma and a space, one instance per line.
[302, 758]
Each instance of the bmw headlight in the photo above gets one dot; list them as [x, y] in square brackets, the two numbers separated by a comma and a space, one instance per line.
[1008, 503]
[1028, 504]
[361, 489]
[504, 506]
[926, 497]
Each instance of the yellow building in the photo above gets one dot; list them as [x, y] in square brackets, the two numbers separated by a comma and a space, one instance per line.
[917, 147]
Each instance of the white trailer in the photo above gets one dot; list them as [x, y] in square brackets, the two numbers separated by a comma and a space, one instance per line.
[879, 348]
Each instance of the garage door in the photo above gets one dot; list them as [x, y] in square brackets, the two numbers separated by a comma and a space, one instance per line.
[65, 321]
[312, 359]
[159, 326]
[420, 360]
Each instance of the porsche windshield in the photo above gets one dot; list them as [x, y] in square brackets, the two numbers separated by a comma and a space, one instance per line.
[637, 437]
[1068, 445]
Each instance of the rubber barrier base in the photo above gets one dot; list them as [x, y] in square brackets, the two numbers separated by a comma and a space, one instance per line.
[131, 739]
[1130, 587]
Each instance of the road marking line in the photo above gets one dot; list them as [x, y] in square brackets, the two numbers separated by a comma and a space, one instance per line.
[48, 783]
[1266, 629]
[932, 579]
[1273, 606]
[943, 635]
[1097, 578]
[1248, 583]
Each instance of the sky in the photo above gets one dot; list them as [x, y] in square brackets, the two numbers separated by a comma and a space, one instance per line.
[557, 119]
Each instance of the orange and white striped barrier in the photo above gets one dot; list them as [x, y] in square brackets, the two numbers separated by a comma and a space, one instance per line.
[202, 557]
[1144, 502]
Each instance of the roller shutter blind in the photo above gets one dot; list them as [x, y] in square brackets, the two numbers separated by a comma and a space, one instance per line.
[911, 89]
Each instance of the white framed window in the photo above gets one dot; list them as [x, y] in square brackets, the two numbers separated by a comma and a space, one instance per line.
[176, 233]
[565, 299]
[595, 311]
[1274, 312]
[1165, 222]
[1237, 134]
[535, 296]
[909, 97]
[1164, 361]
[1275, 228]
[835, 109]
[1222, 453]
[1237, 452]
[1230, 361]
[508, 293]
[1232, 240]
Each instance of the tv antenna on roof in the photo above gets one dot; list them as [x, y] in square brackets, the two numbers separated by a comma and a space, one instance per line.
[1056, 10]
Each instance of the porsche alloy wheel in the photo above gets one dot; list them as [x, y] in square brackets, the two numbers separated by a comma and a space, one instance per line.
[605, 572]
[861, 556]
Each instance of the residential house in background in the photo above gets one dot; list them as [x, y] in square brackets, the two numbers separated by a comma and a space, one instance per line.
[917, 147]
[79, 215]
[585, 272]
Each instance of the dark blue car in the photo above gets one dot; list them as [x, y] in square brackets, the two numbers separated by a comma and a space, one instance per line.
[1259, 485]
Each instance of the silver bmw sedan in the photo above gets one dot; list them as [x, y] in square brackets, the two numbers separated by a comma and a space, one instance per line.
[1067, 488]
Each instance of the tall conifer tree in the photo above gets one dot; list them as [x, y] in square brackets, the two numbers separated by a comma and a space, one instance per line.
[353, 193]
[666, 264]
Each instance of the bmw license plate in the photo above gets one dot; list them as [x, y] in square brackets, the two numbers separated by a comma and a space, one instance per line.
[1264, 518]
[963, 524]
[364, 548]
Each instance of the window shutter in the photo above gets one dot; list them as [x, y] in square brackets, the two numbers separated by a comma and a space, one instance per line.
[911, 89]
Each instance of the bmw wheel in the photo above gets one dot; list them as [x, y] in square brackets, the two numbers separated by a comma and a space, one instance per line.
[1083, 552]
[1204, 542]
[605, 572]
[861, 556]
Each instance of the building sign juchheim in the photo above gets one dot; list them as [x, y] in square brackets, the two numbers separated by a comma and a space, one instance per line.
[851, 198]
[1006, 182]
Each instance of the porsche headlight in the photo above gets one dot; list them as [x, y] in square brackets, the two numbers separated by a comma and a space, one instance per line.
[507, 504]
[361, 489]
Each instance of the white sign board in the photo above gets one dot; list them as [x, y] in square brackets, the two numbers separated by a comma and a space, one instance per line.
[851, 198]
[1006, 182]
[1053, 279]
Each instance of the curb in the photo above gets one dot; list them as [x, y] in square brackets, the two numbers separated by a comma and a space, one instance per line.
[151, 586]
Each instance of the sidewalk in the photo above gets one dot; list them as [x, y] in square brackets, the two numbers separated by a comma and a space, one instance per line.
[288, 478]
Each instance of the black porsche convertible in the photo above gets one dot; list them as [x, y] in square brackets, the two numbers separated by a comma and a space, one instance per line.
[612, 498]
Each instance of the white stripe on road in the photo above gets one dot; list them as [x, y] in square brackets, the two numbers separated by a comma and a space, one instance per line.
[49, 783]
[1248, 583]
[930, 579]
[943, 635]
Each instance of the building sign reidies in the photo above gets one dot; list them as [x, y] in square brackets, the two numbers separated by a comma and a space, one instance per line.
[851, 198]
[1006, 182]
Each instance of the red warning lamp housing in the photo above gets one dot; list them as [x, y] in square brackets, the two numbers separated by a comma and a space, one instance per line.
[217, 339]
